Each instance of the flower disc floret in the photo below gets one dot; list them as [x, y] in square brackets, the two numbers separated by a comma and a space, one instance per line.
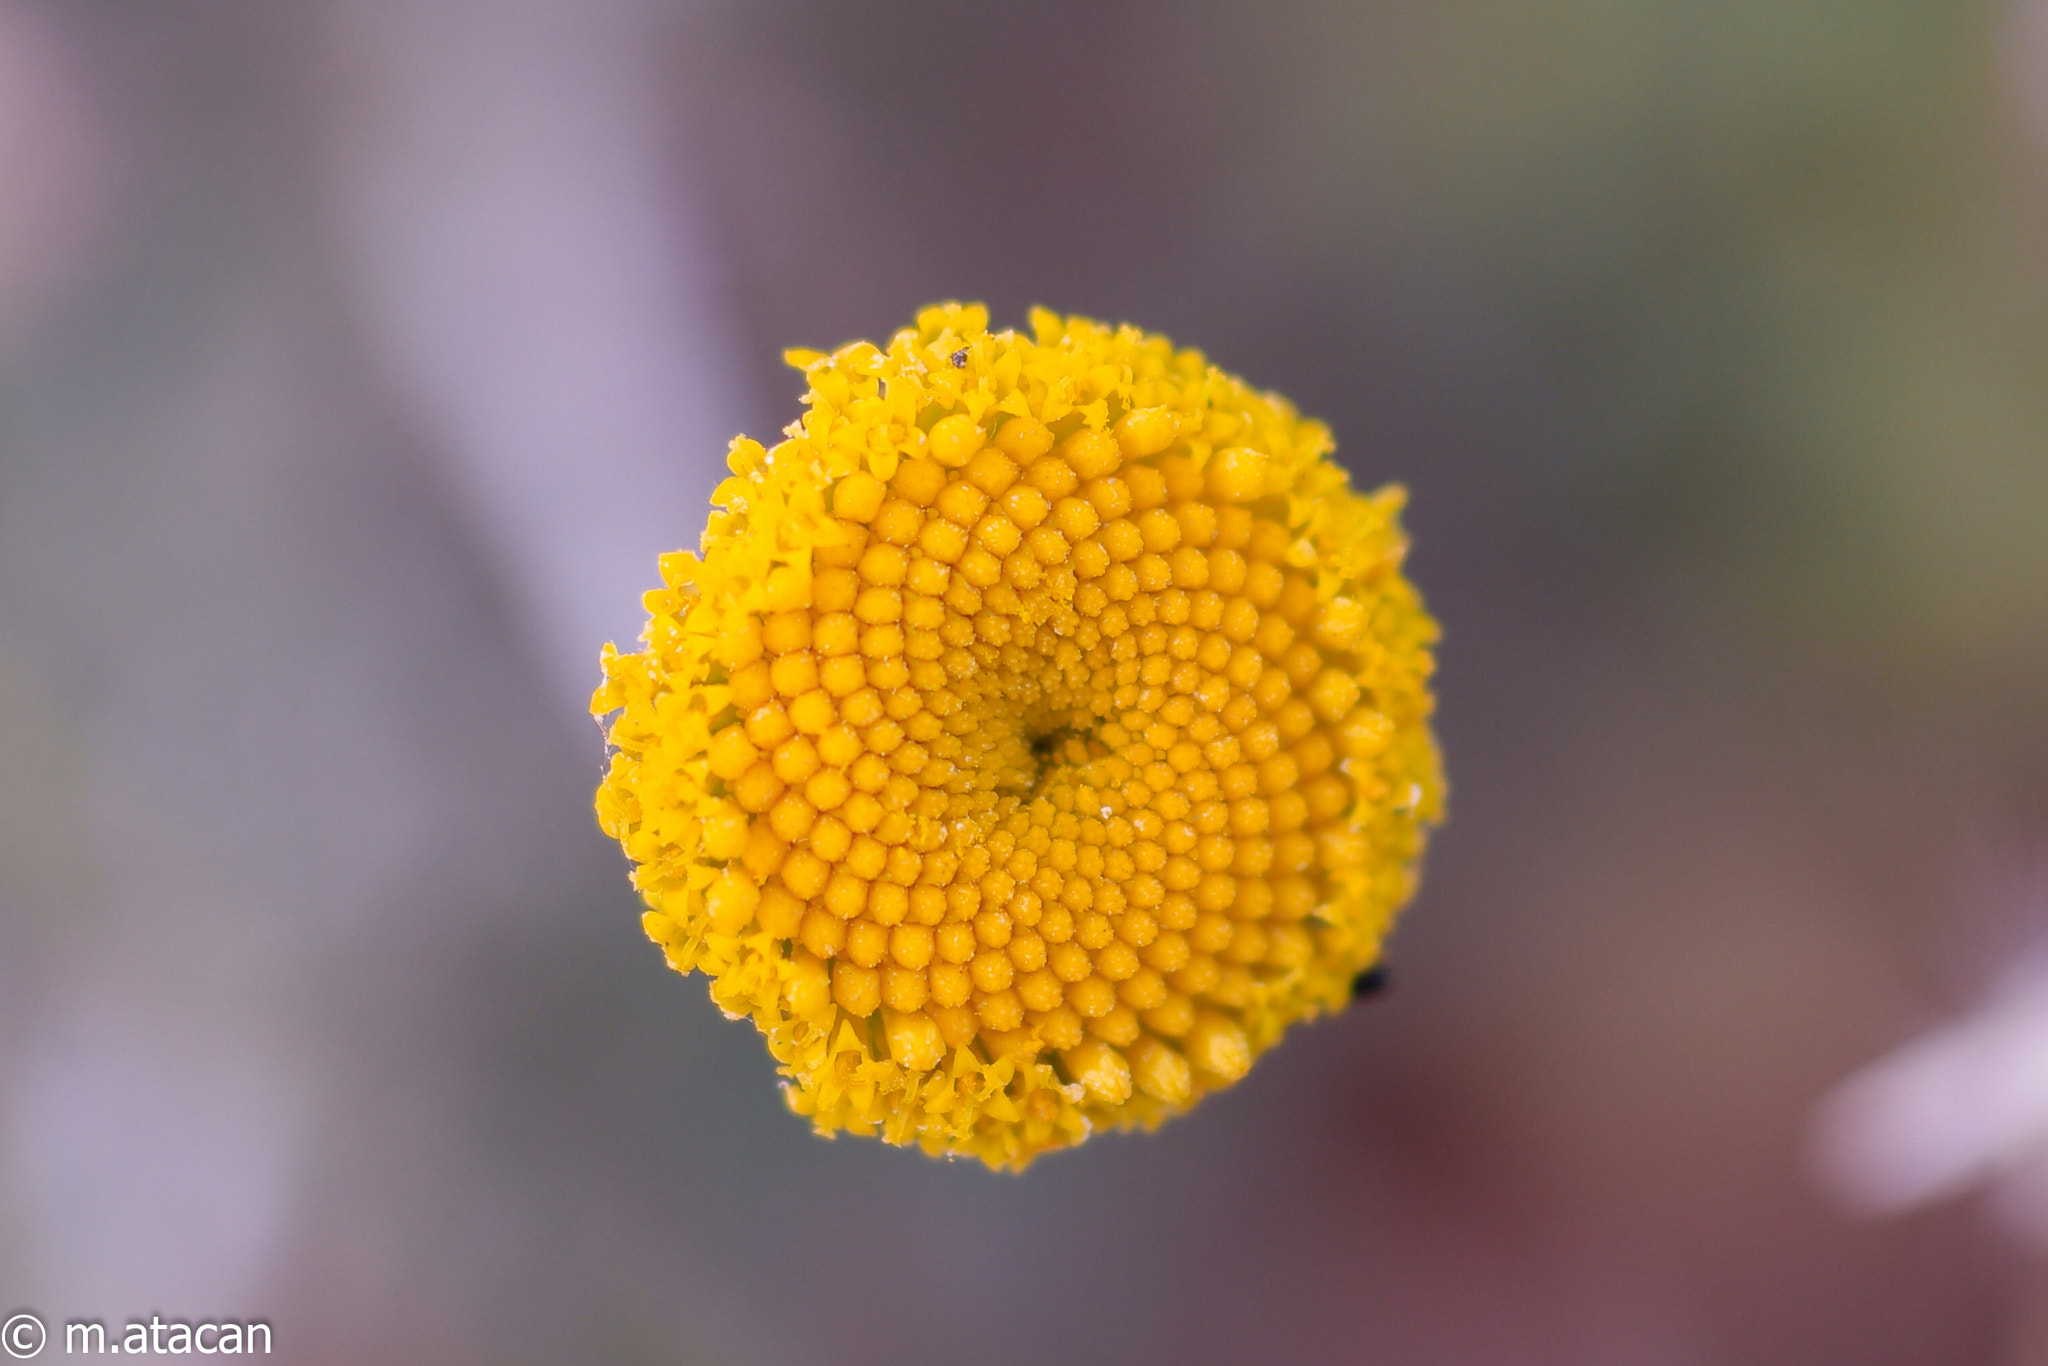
[1043, 728]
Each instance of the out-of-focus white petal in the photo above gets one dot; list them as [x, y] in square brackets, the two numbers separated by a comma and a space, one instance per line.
[521, 248]
[1963, 1102]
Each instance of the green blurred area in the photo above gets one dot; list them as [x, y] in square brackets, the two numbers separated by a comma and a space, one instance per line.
[1784, 269]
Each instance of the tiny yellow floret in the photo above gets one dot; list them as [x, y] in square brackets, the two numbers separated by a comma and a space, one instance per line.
[1042, 729]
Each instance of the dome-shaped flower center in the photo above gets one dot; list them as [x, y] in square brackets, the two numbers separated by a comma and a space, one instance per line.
[1022, 763]
[1048, 741]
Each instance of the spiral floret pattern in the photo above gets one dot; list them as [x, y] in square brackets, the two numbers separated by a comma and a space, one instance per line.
[1042, 730]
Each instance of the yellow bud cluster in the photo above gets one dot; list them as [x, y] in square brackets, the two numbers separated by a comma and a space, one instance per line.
[1042, 730]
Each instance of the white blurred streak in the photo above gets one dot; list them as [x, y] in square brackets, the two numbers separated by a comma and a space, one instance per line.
[1964, 1103]
[526, 271]
[56, 170]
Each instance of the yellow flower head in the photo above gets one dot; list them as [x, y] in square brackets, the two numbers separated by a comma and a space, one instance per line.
[1042, 731]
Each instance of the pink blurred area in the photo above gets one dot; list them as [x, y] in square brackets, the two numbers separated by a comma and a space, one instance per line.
[57, 164]
[357, 359]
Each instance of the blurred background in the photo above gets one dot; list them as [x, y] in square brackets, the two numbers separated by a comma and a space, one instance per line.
[357, 359]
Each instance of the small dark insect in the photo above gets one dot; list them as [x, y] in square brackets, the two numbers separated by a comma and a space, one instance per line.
[1371, 982]
[960, 359]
